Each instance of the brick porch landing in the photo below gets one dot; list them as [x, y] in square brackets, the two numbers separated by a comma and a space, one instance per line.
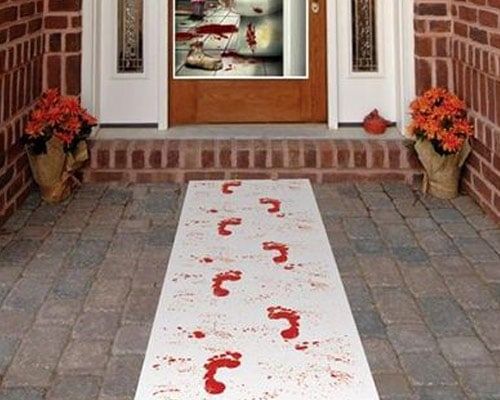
[316, 157]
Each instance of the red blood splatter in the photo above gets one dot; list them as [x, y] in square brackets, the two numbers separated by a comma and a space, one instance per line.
[291, 316]
[251, 37]
[258, 10]
[301, 347]
[280, 247]
[219, 279]
[227, 186]
[341, 377]
[227, 360]
[185, 36]
[219, 30]
[198, 335]
[206, 260]
[225, 223]
[275, 204]
[156, 366]
[213, 211]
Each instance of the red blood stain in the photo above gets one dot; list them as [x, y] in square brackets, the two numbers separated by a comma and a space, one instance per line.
[227, 222]
[341, 377]
[280, 247]
[251, 37]
[219, 30]
[227, 187]
[274, 203]
[227, 360]
[291, 316]
[197, 335]
[258, 10]
[206, 260]
[301, 347]
[222, 277]
[213, 211]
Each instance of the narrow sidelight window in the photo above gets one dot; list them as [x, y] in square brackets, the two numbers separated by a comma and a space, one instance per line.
[130, 36]
[364, 36]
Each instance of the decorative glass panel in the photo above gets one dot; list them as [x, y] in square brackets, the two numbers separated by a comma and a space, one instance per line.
[224, 39]
[364, 36]
[130, 37]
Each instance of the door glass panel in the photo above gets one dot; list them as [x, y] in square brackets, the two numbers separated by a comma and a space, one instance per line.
[242, 39]
[364, 36]
[130, 36]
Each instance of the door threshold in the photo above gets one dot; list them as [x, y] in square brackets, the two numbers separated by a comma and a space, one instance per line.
[241, 132]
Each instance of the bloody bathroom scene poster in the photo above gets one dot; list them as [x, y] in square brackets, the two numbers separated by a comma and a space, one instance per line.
[243, 39]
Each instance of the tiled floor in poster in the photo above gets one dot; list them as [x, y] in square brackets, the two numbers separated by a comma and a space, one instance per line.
[217, 45]
[253, 306]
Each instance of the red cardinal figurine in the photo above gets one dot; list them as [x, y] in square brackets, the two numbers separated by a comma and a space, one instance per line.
[375, 124]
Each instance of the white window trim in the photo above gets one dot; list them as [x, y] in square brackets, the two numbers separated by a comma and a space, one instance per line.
[405, 54]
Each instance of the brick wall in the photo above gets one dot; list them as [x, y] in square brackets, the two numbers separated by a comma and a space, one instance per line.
[475, 54]
[63, 28]
[458, 46]
[21, 56]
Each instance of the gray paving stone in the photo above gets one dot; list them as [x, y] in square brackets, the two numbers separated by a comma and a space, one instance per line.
[33, 232]
[75, 388]
[398, 235]
[131, 339]
[481, 382]
[381, 356]
[360, 228]
[98, 232]
[116, 196]
[4, 291]
[424, 282]
[493, 238]
[373, 247]
[59, 311]
[37, 357]
[106, 215]
[88, 254]
[465, 351]
[459, 230]
[369, 187]
[440, 393]
[44, 268]
[489, 272]
[126, 245]
[398, 190]
[19, 251]
[451, 265]
[8, 347]
[427, 369]
[445, 317]
[160, 237]
[112, 268]
[422, 224]
[411, 208]
[467, 206]
[380, 271]
[347, 263]
[16, 221]
[9, 274]
[141, 305]
[486, 324]
[57, 246]
[433, 203]
[381, 217]
[436, 243]
[84, 357]
[72, 222]
[392, 386]
[27, 295]
[107, 294]
[445, 215]
[73, 284]
[396, 306]
[415, 338]
[22, 394]
[149, 274]
[414, 256]
[471, 292]
[358, 293]
[122, 375]
[14, 323]
[96, 325]
[477, 250]
[369, 324]
[482, 222]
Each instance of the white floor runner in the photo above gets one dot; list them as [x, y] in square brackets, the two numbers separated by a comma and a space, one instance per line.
[252, 307]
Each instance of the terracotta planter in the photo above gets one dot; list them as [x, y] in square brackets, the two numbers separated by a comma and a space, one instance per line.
[442, 172]
[53, 171]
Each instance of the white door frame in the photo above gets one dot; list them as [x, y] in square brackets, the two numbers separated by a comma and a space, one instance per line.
[405, 80]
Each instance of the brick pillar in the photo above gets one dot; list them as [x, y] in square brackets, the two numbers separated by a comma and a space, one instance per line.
[62, 62]
[21, 54]
[432, 44]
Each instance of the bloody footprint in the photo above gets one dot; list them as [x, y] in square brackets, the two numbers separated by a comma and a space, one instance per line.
[219, 279]
[274, 203]
[280, 247]
[222, 227]
[227, 187]
[291, 316]
[227, 360]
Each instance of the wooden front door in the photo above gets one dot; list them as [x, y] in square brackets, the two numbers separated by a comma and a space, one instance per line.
[266, 92]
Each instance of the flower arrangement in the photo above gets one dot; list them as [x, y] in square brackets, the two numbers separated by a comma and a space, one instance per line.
[57, 116]
[441, 118]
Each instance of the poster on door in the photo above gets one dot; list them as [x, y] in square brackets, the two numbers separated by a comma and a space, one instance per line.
[240, 39]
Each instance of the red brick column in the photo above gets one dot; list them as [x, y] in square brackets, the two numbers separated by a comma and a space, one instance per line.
[63, 28]
[21, 56]
[432, 43]
[475, 53]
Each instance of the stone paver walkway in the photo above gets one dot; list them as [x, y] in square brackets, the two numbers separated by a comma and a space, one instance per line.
[79, 284]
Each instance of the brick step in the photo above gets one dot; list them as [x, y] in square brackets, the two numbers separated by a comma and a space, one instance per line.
[169, 160]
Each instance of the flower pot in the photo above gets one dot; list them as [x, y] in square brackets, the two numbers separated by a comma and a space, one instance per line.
[442, 172]
[53, 170]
